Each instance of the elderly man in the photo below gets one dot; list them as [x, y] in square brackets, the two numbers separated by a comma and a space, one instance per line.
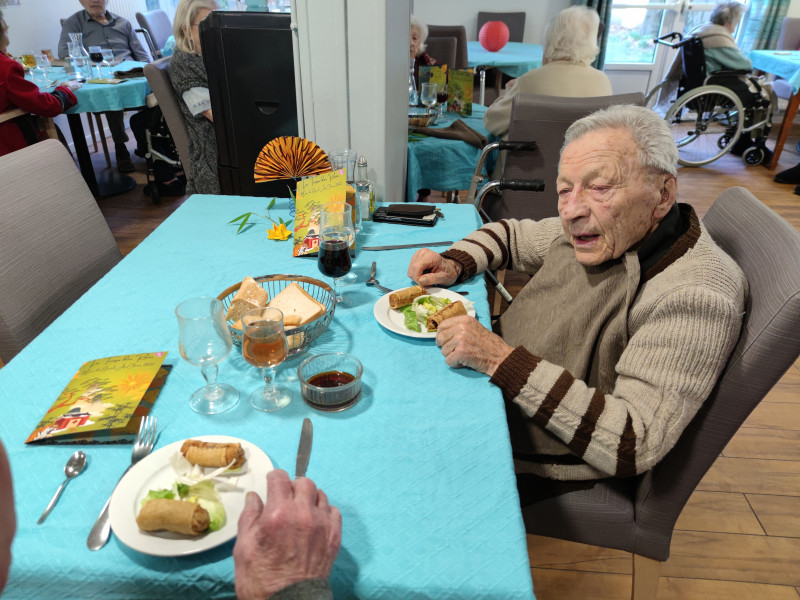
[102, 28]
[608, 352]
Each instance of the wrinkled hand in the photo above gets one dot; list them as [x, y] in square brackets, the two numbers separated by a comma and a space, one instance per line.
[510, 84]
[294, 537]
[467, 343]
[72, 84]
[430, 268]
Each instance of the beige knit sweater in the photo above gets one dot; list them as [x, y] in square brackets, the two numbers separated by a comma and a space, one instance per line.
[682, 326]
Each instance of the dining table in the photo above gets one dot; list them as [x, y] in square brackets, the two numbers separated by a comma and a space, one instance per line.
[420, 466]
[96, 98]
[444, 164]
[785, 64]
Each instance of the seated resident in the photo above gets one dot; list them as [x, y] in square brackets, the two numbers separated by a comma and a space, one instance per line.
[103, 28]
[417, 55]
[18, 92]
[188, 74]
[606, 355]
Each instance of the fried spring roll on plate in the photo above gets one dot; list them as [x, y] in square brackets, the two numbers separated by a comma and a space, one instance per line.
[178, 516]
[451, 310]
[404, 297]
[210, 454]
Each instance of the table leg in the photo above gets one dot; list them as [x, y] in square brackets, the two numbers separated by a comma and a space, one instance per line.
[110, 183]
[786, 126]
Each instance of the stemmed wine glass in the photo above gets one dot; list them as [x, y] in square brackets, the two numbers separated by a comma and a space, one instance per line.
[428, 97]
[204, 341]
[264, 345]
[336, 235]
[96, 56]
[106, 67]
[441, 99]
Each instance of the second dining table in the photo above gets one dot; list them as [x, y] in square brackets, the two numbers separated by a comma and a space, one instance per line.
[420, 467]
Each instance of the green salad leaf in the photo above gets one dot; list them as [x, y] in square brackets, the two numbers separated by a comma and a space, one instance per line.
[203, 493]
[410, 319]
[153, 494]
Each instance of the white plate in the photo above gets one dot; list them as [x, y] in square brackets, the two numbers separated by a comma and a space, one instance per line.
[154, 472]
[393, 320]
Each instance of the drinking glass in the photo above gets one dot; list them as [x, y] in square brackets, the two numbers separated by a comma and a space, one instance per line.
[428, 96]
[204, 341]
[264, 345]
[77, 59]
[107, 66]
[96, 56]
[336, 235]
[441, 100]
[40, 74]
[28, 61]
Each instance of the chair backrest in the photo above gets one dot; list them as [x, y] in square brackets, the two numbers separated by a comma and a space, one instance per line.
[54, 242]
[693, 59]
[157, 23]
[460, 33]
[157, 74]
[766, 247]
[544, 120]
[514, 20]
[789, 38]
[443, 49]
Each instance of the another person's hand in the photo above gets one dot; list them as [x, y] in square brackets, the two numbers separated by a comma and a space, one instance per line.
[71, 84]
[429, 268]
[510, 84]
[467, 343]
[294, 537]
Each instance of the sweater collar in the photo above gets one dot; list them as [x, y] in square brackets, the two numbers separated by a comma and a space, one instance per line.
[677, 233]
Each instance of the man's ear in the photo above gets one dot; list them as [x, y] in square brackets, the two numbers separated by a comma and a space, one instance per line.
[669, 194]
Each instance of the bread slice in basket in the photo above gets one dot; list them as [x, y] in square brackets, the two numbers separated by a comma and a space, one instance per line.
[250, 295]
[297, 305]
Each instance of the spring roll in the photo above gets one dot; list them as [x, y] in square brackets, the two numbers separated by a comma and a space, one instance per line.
[451, 310]
[210, 454]
[404, 297]
[179, 516]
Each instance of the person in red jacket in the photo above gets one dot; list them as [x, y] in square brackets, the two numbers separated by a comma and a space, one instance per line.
[18, 92]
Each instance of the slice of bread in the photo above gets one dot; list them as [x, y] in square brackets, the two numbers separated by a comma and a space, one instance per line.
[297, 305]
[250, 296]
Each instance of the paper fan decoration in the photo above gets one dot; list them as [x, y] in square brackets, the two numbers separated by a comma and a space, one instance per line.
[290, 157]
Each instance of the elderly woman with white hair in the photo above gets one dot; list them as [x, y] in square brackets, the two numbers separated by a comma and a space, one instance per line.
[609, 351]
[417, 54]
[569, 49]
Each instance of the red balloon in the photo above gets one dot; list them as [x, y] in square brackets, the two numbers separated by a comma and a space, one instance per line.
[493, 35]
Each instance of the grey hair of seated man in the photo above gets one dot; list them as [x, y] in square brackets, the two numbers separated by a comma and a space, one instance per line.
[572, 36]
[657, 149]
[423, 33]
[727, 13]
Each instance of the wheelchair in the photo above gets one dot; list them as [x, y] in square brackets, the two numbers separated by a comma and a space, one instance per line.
[710, 113]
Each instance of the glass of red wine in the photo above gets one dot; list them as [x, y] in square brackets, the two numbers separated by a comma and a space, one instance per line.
[336, 235]
[96, 56]
[264, 345]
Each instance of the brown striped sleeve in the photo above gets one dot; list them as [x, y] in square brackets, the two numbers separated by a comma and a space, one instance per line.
[470, 267]
[512, 374]
[626, 452]
[583, 434]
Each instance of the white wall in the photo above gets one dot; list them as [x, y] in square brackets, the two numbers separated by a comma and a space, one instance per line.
[465, 12]
[794, 9]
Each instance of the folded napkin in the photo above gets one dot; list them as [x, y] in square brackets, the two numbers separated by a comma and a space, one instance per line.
[458, 130]
[134, 72]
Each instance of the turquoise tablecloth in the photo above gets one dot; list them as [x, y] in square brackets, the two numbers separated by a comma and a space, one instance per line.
[779, 62]
[442, 164]
[99, 97]
[513, 59]
[420, 468]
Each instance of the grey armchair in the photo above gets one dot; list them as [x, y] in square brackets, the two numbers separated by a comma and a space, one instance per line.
[158, 27]
[443, 49]
[54, 242]
[457, 31]
[789, 39]
[638, 514]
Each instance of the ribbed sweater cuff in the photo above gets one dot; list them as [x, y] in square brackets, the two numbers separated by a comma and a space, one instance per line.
[512, 374]
[469, 266]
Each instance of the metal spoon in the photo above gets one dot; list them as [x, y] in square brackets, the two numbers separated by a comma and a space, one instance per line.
[73, 468]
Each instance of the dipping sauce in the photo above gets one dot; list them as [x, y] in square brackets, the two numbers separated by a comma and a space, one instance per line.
[331, 379]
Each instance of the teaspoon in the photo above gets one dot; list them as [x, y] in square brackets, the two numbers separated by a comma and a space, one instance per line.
[72, 469]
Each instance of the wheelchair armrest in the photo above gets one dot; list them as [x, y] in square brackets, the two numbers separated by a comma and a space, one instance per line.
[730, 73]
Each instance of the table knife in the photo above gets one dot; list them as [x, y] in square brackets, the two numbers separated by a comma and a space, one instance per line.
[401, 246]
[304, 449]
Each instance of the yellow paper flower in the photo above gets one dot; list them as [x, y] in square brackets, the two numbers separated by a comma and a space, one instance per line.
[279, 232]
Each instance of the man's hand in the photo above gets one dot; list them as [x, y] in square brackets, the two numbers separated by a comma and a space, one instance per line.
[467, 343]
[294, 537]
[429, 268]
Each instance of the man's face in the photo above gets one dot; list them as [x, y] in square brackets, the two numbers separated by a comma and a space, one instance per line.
[95, 8]
[415, 37]
[606, 202]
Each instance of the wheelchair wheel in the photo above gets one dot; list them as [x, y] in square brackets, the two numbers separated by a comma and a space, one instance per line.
[652, 97]
[753, 156]
[705, 124]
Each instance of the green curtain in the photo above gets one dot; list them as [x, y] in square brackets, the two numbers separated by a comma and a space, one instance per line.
[603, 8]
[763, 26]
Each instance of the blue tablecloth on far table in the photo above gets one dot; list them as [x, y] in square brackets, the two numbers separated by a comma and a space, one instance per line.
[513, 59]
[420, 467]
[441, 164]
[779, 62]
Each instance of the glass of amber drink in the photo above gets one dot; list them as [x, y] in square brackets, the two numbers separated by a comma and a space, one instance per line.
[264, 345]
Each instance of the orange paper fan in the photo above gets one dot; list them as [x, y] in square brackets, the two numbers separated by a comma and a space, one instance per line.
[290, 157]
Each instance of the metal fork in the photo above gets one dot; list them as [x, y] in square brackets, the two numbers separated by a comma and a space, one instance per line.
[374, 282]
[145, 440]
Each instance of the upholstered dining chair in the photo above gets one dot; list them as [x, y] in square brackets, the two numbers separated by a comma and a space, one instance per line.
[514, 20]
[158, 27]
[457, 31]
[157, 74]
[54, 242]
[442, 49]
[638, 514]
[788, 39]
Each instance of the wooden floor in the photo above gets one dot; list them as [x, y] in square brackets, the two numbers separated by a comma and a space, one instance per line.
[739, 535]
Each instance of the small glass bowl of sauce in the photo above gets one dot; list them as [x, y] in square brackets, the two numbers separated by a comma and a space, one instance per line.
[330, 381]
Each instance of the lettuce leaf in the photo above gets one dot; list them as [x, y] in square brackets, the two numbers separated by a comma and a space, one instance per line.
[410, 318]
[206, 495]
[153, 494]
